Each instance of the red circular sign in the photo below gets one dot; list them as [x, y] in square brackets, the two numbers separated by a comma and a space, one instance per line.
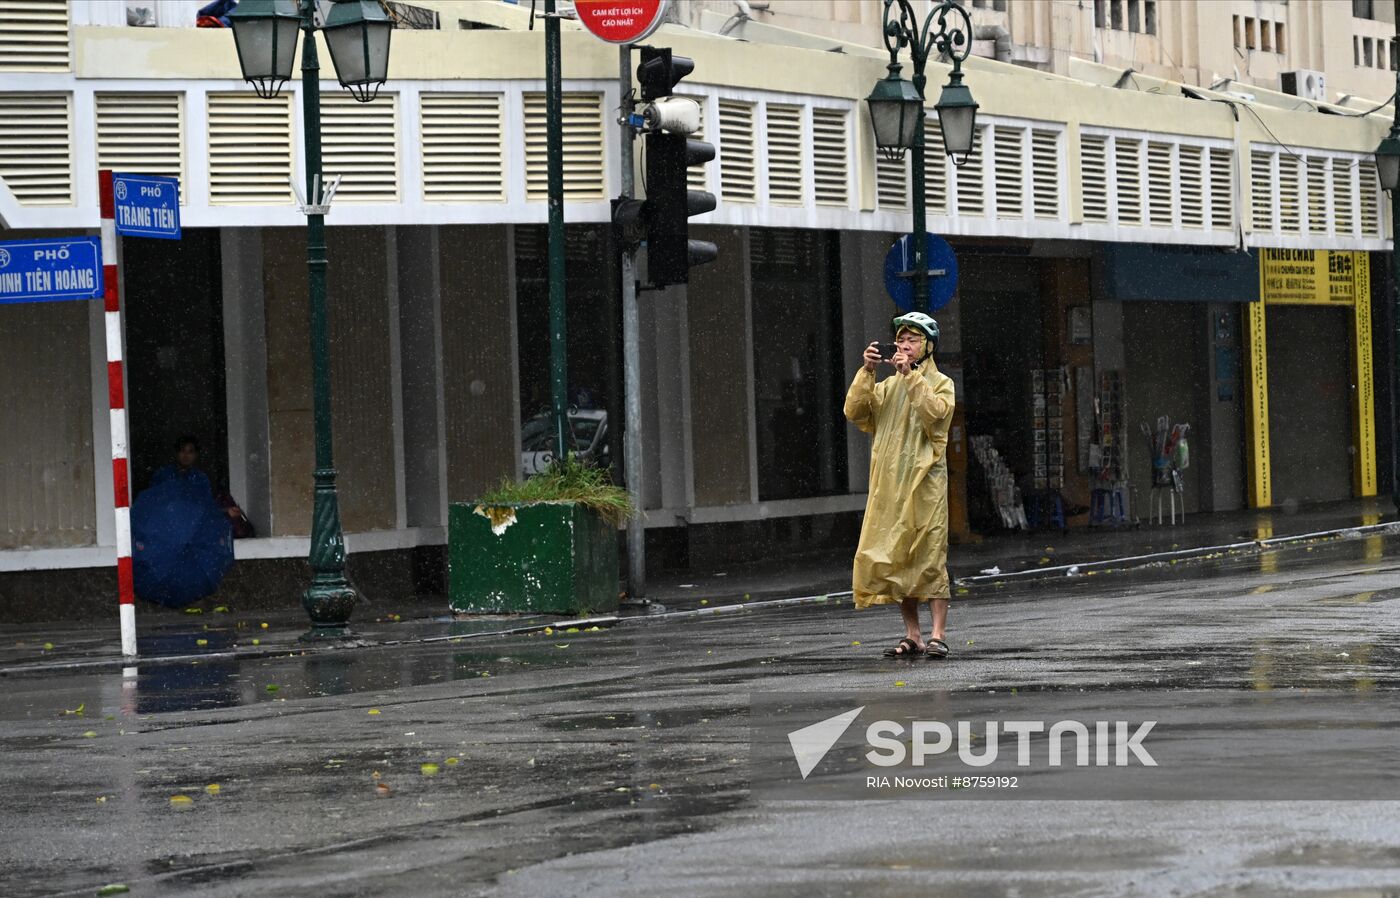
[620, 21]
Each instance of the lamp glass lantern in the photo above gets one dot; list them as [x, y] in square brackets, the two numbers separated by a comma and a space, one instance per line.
[357, 33]
[1388, 163]
[265, 34]
[957, 119]
[895, 112]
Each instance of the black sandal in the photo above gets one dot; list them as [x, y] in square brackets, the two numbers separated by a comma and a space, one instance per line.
[937, 648]
[907, 648]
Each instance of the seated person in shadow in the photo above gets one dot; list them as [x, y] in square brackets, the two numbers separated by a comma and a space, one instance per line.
[185, 468]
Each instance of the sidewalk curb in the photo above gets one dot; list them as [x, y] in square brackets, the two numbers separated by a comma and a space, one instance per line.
[296, 649]
[1130, 562]
[1156, 558]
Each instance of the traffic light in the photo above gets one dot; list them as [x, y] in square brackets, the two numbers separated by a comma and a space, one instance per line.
[670, 152]
[659, 71]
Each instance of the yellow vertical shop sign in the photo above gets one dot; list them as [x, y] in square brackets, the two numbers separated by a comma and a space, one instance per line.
[1364, 410]
[1325, 278]
[1257, 414]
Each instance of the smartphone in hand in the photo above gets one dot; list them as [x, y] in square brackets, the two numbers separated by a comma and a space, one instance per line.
[887, 351]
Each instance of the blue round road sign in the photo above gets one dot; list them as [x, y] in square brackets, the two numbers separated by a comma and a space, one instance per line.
[899, 266]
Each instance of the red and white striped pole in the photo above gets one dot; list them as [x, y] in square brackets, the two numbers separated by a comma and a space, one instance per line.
[116, 402]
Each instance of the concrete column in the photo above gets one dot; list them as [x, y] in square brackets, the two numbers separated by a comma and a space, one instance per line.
[720, 296]
[420, 341]
[245, 378]
[666, 400]
[1219, 451]
[481, 376]
[866, 311]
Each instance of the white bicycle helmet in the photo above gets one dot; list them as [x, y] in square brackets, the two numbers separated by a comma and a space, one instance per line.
[922, 323]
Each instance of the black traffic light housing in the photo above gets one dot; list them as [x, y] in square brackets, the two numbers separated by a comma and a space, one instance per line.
[659, 71]
[669, 205]
[670, 202]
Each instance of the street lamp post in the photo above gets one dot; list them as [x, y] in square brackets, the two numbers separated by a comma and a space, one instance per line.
[897, 111]
[357, 34]
[1388, 172]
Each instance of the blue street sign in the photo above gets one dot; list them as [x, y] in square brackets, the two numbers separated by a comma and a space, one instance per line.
[50, 270]
[899, 272]
[147, 206]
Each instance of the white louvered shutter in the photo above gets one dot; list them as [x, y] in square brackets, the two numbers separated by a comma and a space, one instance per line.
[583, 147]
[142, 133]
[250, 149]
[1045, 173]
[1190, 177]
[1093, 169]
[697, 176]
[1127, 164]
[34, 35]
[738, 182]
[936, 166]
[830, 158]
[972, 191]
[36, 147]
[1369, 206]
[1290, 210]
[784, 127]
[892, 182]
[1159, 184]
[1261, 188]
[1222, 188]
[1344, 196]
[1317, 183]
[1008, 152]
[359, 142]
[460, 139]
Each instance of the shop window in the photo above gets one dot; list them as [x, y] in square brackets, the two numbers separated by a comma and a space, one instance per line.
[1278, 38]
[800, 373]
[593, 347]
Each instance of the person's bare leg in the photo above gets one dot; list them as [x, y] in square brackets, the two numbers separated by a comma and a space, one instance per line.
[909, 610]
[939, 610]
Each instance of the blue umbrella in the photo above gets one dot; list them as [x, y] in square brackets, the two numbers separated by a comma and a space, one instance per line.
[182, 545]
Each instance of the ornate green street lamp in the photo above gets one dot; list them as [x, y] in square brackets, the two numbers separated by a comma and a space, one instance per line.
[357, 33]
[897, 109]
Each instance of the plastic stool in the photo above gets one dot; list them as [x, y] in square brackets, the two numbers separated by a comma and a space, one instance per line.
[1155, 506]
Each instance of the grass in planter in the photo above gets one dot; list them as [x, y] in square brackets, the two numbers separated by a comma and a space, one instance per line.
[569, 481]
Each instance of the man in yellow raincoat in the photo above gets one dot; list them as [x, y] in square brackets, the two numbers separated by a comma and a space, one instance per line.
[903, 554]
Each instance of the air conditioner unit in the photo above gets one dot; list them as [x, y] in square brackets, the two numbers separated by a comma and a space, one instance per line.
[1305, 83]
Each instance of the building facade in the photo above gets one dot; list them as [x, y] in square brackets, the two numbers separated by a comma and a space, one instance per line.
[438, 296]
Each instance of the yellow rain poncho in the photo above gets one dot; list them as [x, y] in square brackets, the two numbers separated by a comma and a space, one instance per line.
[903, 550]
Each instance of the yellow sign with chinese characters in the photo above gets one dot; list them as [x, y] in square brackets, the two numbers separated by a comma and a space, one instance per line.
[1310, 276]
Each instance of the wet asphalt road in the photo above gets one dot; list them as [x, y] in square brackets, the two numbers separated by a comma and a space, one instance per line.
[616, 762]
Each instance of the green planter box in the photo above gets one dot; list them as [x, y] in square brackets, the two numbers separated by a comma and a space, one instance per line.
[551, 558]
